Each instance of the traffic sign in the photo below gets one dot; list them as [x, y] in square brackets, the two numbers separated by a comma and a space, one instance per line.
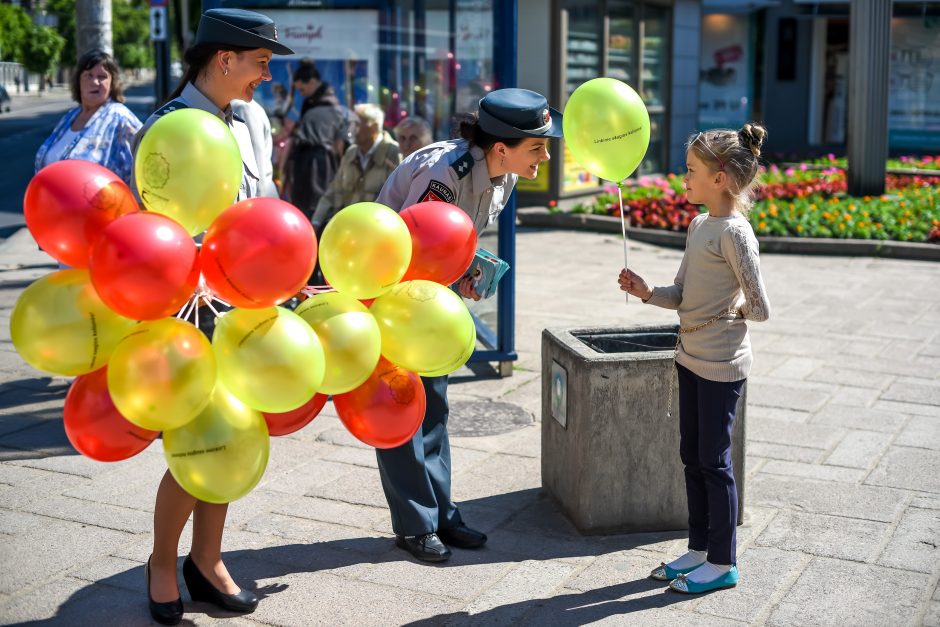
[157, 23]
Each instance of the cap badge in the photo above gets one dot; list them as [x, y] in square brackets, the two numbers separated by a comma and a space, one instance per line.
[546, 117]
[275, 33]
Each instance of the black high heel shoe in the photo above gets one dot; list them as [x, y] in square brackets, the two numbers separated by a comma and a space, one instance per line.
[201, 589]
[168, 613]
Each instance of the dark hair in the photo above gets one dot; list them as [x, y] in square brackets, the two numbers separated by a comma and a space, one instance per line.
[89, 60]
[468, 127]
[197, 58]
[739, 155]
[306, 70]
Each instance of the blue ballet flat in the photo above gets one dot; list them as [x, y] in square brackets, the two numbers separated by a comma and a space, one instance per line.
[666, 573]
[685, 586]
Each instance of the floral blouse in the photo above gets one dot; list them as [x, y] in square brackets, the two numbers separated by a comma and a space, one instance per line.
[105, 139]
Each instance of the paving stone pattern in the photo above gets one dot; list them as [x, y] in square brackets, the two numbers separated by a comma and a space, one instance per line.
[842, 525]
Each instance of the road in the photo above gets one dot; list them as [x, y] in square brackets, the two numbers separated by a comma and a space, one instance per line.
[24, 129]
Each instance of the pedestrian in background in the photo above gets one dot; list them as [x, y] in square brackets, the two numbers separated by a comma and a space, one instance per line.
[718, 287]
[101, 129]
[412, 133]
[364, 168]
[319, 139]
[507, 139]
[228, 61]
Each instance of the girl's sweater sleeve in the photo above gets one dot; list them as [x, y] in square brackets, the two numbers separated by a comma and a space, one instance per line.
[739, 247]
[670, 297]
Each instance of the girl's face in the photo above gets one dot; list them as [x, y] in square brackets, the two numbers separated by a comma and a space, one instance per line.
[524, 158]
[95, 84]
[703, 185]
[247, 70]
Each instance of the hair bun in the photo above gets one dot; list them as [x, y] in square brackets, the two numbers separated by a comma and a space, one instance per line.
[753, 135]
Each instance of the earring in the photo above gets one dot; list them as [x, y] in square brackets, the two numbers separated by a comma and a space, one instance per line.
[225, 71]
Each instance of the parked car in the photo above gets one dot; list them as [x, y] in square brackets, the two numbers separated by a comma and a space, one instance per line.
[5, 101]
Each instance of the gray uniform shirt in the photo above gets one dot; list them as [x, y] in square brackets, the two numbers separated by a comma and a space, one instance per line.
[450, 171]
[193, 98]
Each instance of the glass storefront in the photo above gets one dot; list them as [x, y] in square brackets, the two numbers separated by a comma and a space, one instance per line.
[432, 58]
[627, 40]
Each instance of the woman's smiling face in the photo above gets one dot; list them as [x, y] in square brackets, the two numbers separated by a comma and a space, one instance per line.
[247, 70]
[524, 158]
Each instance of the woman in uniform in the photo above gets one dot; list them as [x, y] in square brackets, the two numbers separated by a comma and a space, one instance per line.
[506, 139]
[228, 61]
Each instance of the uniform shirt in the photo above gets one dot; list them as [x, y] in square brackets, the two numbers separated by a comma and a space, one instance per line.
[191, 97]
[450, 171]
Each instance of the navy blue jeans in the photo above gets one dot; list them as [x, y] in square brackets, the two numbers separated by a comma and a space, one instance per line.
[706, 416]
[416, 475]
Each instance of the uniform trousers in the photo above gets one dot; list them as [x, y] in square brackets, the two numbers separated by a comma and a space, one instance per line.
[416, 475]
[706, 416]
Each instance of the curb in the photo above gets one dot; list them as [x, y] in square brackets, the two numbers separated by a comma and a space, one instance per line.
[916, 251]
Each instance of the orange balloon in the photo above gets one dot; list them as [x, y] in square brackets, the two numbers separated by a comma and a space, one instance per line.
[67, 205]
[295, 419]
[387, 410]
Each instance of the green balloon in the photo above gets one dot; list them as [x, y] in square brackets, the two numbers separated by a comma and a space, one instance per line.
[221, 454]
[607, 128]
[188, 168]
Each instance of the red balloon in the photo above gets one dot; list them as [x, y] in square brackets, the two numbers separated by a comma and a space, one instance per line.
[258, 253]
[95, 427]
[68, 203]
[295, 419]
[144, 266]
[443, 242]
[385, 411]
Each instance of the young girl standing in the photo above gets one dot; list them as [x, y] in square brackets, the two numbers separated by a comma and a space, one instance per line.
[717, 288]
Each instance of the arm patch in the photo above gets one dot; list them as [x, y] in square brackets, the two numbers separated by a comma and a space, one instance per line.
[437, 191]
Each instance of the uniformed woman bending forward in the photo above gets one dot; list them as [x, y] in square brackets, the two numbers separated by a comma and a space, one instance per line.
[507, 139]
[228, 61]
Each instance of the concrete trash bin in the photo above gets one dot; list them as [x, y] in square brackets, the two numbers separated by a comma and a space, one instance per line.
[610, 456]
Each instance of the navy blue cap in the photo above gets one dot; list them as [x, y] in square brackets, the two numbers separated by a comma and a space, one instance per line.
[238, 27]
[514, 112]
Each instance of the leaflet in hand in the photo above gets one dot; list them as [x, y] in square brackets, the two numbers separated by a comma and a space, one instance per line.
[486, 270]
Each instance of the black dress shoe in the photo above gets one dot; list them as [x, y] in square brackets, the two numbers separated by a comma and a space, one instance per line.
[201, 589]
[463, 537]
[169, 613]
[427, 547]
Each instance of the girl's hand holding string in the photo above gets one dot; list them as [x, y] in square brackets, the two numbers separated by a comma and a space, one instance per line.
[633, 284]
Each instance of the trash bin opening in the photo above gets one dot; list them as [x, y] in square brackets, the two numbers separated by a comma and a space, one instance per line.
[628, 342]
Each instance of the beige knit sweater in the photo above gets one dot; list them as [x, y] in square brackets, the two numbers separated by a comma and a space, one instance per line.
[720, 271]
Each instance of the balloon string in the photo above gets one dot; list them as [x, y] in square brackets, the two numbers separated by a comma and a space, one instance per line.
[623, 228]
[208, 302]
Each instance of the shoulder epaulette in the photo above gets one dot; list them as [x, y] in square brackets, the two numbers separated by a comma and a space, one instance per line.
[464, 165]
[172, 105]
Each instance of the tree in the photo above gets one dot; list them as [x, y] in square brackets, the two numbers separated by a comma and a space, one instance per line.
[64, 10]
[41, 51]
[14, 30]
[132, 46]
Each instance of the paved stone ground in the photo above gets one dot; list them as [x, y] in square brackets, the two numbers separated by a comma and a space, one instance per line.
[843, 499]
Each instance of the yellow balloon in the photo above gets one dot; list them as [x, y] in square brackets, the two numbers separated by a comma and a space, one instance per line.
[188, 167]
[607, 128]
[365, 250]
[425, 327]
[162, 374]
[59, 325]
[350, 337]
[459, 361]
[220, 455]
[270, 358]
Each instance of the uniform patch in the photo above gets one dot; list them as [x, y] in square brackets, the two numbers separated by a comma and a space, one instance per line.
[437, 191]
[463, 166]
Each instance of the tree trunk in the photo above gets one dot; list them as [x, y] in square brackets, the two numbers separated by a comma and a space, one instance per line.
[93, 26]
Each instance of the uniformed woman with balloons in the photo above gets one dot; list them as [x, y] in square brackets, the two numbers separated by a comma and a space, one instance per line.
[506, 139]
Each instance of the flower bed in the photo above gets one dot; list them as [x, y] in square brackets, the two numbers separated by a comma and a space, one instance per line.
[800, 201]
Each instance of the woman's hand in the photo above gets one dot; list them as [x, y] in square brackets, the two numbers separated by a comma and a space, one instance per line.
[633, 284]
[465, 288]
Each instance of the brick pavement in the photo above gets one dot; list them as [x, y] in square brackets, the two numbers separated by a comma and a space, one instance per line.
[843, 500]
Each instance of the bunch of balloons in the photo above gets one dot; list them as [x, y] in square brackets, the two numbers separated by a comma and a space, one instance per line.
[118, 317]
